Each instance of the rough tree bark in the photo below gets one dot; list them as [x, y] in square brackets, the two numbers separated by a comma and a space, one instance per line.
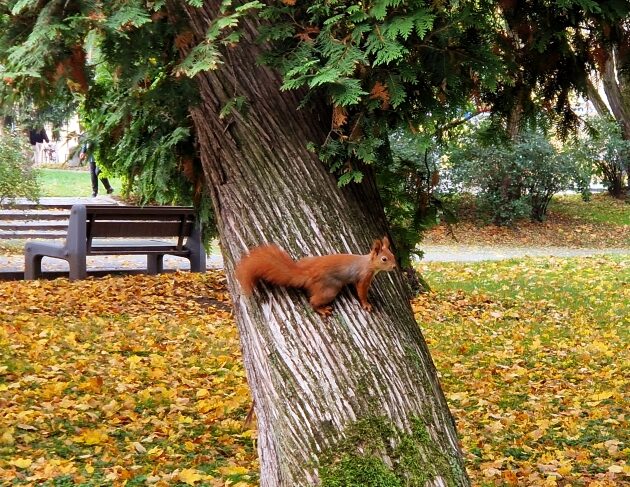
[595, 98]
[615, 84]
[358, 390]
[612, 79]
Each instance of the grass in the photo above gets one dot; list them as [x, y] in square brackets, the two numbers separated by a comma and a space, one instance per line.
[570, 283]
[533, 358]
[602, 208]
[70, 182]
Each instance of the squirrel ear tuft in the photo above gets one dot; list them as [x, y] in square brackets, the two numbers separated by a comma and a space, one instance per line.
[386, 242]
[377, 246]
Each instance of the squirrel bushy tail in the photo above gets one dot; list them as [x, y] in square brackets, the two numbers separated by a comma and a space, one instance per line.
[271, 264]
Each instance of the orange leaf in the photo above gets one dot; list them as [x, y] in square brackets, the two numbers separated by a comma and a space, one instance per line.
[379, 92]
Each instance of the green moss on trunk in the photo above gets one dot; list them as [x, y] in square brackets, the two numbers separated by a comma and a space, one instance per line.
[376, 453]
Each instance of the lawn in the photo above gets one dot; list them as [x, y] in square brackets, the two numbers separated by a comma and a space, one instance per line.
[139, 379]
[600, 208]
[69, 182]
[602, 222]
[534, 359]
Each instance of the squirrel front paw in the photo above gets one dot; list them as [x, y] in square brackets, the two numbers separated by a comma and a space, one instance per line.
[324, 311]
[367, 307]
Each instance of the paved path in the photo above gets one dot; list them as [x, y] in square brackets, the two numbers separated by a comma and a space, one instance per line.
[15, 263]
[470, 253]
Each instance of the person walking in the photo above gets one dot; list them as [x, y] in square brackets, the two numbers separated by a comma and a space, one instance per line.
[95, 171]
[38, 139]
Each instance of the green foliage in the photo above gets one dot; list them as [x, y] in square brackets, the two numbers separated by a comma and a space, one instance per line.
[604, 147]
[18, 179]
[513, 179]
[407, 186]
[549, 47]
[546, 171]
[206, 55]
[382, 65]
[379, 66]
[137, 117]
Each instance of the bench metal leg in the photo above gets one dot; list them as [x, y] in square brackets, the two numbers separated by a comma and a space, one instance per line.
[155, 263]
[78, 267]
[197, 257]
[32, 266]
[198, 262]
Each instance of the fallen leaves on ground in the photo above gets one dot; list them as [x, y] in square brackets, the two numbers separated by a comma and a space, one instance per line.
[570, 223]
[533, 357]
[138, 380]
[117, 380]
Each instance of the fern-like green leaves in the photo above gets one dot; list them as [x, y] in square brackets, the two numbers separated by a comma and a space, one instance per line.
[378, 63]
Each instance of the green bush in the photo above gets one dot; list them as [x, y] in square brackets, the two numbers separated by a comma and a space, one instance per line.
[513, 180]
[547, 171]
[18, 179]
[605, 149]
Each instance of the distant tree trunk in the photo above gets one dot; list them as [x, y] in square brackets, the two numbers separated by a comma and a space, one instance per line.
[616, 84]
[515, 118]
[595, 98]
[355, 389]
[611, 79]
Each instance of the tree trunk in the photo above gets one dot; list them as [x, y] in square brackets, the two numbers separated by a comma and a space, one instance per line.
[333, 396]
[594, 97]
[618, 105]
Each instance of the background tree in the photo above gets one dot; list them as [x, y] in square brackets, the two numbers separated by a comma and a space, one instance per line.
[548, 47]
[611, 57]
[18, 179]
[607, 151]
[515, 179]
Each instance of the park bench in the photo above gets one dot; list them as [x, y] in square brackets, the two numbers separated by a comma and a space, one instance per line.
[153, 231]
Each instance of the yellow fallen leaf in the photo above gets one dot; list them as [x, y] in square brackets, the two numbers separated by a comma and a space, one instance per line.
[134, 361]
[189, 476]
[21, 462]
[565, 470]
[615, 469]
[602, 395]
[89, 469]
[233, 470]
[7, 437]
[92, 437]
[155, 452]
[202, 393]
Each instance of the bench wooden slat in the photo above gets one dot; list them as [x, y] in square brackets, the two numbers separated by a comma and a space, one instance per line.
[146, 211]
[118, 229]
[137, 251]
[143, 217]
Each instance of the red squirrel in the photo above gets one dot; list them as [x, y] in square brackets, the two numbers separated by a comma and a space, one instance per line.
[322, 277]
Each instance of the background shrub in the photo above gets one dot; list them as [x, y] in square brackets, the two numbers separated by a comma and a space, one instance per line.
[514, 179]
[18, 178]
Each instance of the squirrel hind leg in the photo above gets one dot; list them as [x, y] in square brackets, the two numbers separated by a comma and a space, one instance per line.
[321, 298]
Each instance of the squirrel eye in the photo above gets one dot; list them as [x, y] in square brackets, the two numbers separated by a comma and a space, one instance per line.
[384, 259]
